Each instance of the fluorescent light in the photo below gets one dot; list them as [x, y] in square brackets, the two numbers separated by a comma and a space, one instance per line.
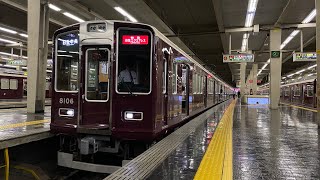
[310, 74]
[9, 66]
[264, 66]
[73, 17]
[8, 30]
[283, 78]
[310, 17]
[53, 7]
[125, 13]
[300, 71]
[268, 61]
[23, 35]
[312, 66]
[290, 75]
[252, 7]
[7, 41]
[299, 77]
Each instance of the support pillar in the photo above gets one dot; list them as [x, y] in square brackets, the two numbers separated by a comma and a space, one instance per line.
[242, 80]
[254, 78]
[275, 68]
[318, 59]
[38, 29]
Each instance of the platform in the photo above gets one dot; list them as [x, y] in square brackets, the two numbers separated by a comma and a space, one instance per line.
[265, 144]
[17, 127]
[179, 154]
[17, 103]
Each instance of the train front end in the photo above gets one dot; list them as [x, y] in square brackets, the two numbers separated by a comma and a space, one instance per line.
[102, 86]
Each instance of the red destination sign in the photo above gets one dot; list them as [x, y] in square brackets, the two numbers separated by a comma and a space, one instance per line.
[135, 39]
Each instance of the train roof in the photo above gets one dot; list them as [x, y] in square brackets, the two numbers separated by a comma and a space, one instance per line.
[164, 38]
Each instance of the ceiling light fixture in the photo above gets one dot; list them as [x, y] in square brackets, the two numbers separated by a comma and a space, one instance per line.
[312, 66]
[7, 41]
[23, 35]
[8, 30]
[308, 19]
[125, 14]
[73, 17]
[53, 7]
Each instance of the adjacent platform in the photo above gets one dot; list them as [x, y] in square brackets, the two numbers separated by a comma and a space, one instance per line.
[17, 127]
[17, 103]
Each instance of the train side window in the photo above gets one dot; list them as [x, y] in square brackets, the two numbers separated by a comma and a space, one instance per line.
[5, 83]
[296, 91]
[310, 91]
[199, 84]
[13, 84]
[97, 74]
[174, 78]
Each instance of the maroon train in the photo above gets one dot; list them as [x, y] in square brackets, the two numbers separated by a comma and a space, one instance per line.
[300, 93]
[115, 83]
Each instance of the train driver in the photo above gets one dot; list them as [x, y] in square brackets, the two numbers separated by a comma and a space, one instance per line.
[128, 76]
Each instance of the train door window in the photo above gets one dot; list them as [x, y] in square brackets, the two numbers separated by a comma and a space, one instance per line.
[13, 84]
[164, 76]
[201, 84]
[133, 65]
[297, 90]
[67, 60]
[97, 75]
[174, 78]
[184, 79]
[310, 91]
[5, 83]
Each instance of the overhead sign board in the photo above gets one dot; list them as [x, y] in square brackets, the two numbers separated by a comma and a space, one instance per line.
[17, 62]
[307, 56]
[238, 58]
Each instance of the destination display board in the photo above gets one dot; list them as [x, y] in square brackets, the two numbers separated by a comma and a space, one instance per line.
[307, 56]
[236, 58]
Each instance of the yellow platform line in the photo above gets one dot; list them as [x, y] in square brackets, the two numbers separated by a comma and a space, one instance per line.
[29, 123]
[217, 161]
[299, 107]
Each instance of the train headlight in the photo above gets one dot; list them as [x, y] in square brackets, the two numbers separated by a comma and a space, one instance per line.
[133, 116]
[66, 112]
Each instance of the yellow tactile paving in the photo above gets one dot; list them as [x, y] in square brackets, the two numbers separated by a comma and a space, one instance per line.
[217, 161]
[299, 107]
[29, 123]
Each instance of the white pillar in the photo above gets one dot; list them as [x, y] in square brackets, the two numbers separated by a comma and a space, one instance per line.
[318, 59]
[275, 68]
[38, 29]
[242, 80]
[254, 78]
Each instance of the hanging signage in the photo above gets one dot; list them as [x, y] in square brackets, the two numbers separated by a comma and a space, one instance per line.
[17, 62]
[238, 58]
[135, 39]
[308, 56]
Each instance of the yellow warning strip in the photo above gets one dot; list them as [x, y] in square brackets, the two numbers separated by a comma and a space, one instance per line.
[217, 161]
[29, 123]
[299, 107]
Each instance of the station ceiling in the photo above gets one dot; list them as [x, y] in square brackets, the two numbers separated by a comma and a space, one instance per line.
[196, 26]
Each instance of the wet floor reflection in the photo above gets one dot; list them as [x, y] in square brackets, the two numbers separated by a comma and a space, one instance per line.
[20, 115]
[275, 144]
[185, 160]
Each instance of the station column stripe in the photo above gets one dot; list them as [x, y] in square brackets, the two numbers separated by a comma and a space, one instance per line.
[29, 123]
[217, 161]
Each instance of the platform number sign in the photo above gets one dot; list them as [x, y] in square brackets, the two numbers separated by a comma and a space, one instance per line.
[275, 54]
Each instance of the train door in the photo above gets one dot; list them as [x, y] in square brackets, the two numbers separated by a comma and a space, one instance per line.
[165, 89]
[185, 79]
[95, 87]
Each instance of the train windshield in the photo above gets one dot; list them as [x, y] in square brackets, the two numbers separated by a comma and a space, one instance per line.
[134, 61]
[67, 60]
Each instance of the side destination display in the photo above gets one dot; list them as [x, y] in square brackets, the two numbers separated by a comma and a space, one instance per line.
[238, 58]
[307, 56]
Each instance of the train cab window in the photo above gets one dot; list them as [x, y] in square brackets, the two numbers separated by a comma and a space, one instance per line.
[134, 54]
[67, 60]
[5, 83]
[13, 84]
[97, 75]
[310, 92]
